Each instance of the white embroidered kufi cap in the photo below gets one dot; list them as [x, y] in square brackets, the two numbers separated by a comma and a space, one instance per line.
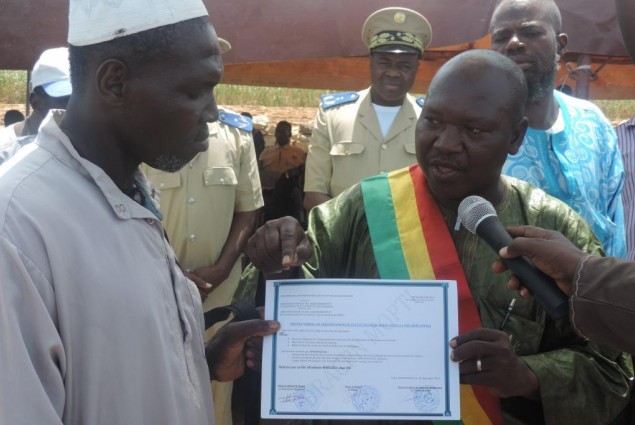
[96, 21]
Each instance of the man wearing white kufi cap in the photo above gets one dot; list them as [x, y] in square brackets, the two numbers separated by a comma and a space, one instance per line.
[99, 325]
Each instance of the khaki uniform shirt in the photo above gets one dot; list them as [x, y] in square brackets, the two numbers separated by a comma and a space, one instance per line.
[347, 144]
[98, 324]
[198, 202]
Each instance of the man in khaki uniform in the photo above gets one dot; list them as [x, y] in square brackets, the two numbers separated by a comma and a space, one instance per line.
[210, 208]
[359, 134]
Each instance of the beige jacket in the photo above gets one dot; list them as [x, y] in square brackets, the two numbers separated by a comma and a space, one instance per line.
[603, 305]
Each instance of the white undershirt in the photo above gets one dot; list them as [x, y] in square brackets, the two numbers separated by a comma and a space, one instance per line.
[557, 126]
[386, 116]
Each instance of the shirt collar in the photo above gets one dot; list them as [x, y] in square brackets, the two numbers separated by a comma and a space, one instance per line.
[53, 139]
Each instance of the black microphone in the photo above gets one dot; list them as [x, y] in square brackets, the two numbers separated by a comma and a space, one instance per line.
[478, 216]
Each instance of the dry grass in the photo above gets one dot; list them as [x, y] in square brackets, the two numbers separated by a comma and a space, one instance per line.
[13, 83]
[267, 96]
[617, 110]
[12, 86]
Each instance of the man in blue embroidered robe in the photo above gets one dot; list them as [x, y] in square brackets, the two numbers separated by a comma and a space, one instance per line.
[570, 148]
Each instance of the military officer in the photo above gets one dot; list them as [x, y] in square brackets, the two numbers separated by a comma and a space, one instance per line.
[359, 134]
[209, 211]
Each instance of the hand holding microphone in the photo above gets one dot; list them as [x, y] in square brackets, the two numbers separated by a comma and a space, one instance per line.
[478, 216]
[550, 251]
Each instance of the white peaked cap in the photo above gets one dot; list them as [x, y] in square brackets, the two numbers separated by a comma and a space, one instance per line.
[96, 21]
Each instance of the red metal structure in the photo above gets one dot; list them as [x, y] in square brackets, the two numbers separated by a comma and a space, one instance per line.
[317, 43]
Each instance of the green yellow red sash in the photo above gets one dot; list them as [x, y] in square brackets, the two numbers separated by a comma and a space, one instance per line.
[411, 241]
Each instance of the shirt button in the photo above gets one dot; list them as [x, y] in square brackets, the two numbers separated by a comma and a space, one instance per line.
[149, 221]
[192, 237]
[120, 208]
[384, 146]
[222, 180]
[191, 201]
[191, 164]
[161, 185]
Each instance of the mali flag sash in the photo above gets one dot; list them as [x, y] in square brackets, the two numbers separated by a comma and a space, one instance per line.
[411, 241]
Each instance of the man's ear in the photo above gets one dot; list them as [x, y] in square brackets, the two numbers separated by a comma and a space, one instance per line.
[562, 39]
[112, 79]
[518, 135]
[35, 100]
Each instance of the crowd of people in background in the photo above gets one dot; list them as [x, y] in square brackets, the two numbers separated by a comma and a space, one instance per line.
[131, 202]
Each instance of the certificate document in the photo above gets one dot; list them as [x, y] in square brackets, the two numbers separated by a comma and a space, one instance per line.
[361, 349]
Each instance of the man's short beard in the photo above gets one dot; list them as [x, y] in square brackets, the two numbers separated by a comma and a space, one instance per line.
[541, 85]
[168, 163]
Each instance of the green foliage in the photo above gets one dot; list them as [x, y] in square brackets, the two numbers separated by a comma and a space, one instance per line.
[12, 86]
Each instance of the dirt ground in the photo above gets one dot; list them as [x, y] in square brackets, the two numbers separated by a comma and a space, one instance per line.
[294, 115]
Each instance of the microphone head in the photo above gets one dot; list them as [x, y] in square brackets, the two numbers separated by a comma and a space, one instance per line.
[473, 210]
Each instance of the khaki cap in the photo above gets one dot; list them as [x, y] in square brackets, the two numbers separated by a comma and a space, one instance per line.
[396, 30]
[224, 45]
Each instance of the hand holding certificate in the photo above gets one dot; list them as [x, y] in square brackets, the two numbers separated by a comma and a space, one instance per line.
[361, 349]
